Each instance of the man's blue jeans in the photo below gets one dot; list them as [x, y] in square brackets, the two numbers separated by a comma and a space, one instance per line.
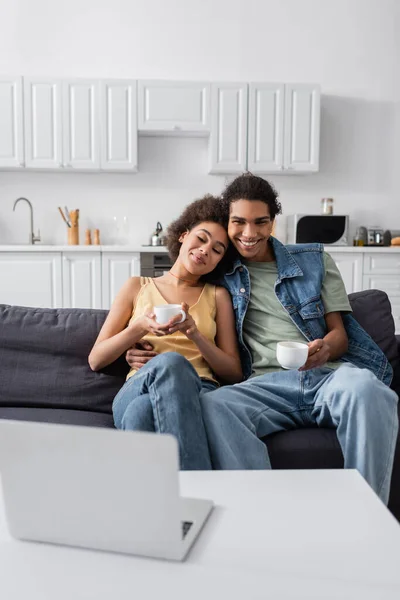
[361, 408]
[164, 397]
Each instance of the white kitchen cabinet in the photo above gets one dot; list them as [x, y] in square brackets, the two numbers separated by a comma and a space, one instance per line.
[228, 137]
[302, 127]
[81, 130]
[389, 284]
[174, 107]
[31, 279]
[382, 272]
[266, 120]
[118, 120]
[43, 123]
[395, 302]
[81, 279]
[116, 268]
[382, 264]
[350, 266]
[11, 123]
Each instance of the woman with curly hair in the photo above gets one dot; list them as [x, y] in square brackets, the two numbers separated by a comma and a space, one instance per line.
[192, 355]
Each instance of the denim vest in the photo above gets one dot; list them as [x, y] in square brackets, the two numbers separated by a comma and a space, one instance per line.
[298, 289]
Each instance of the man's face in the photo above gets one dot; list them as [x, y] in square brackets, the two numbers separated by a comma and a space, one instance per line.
[249, 228]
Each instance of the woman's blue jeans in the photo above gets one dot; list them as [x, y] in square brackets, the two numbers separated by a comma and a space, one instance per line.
[163, 396]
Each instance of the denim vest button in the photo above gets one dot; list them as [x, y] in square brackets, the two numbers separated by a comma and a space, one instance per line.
[242, 290]
[241, 269]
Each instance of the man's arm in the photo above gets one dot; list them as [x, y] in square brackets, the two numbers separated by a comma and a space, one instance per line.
[335, 301]
[331, 347]
[139, 354]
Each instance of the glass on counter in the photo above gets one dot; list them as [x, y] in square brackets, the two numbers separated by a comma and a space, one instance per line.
[359, 238]
[327, 206]
[120, 230]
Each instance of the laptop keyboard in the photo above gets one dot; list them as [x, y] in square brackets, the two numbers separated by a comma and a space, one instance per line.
[186, 525]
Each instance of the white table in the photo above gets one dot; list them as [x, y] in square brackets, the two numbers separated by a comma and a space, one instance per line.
[272, 534]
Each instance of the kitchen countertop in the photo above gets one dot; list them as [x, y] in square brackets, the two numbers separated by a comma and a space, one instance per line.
[362, 248]
[358, 249]
[135, 248]
[80, 248]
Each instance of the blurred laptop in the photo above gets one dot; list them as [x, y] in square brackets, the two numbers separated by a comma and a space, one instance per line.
[97, 488]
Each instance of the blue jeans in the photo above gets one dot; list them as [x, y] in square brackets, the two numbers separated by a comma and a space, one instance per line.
[164, 397]
[361, 408]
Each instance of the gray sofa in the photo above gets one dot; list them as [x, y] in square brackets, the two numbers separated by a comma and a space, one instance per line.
[44, 376]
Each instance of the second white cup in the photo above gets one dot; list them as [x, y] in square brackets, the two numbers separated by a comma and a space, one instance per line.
[165, 312]
[291, 355]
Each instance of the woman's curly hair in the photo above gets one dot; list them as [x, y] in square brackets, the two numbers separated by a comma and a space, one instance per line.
[251, 187]
[207, 209]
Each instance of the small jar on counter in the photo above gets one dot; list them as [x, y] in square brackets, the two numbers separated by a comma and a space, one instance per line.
[358, 238]
[327, 206]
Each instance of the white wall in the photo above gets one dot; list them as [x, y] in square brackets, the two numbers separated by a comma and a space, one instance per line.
[349, 46]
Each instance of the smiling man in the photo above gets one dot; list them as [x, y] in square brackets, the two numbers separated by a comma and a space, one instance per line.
[296, 293]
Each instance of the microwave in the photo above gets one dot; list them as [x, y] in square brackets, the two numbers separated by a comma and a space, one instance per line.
[327, 229]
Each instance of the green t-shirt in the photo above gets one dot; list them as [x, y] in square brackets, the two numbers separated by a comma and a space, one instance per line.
[267, 322]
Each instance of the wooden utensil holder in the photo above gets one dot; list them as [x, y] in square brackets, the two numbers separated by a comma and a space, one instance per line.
[73, 235]
[73, 231]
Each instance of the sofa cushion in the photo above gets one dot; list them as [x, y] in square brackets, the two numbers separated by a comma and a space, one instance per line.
[57, 415]
[43, 360]
[310, 448]
[372, 309]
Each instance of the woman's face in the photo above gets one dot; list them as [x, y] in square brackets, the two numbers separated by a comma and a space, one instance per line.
[203, 247]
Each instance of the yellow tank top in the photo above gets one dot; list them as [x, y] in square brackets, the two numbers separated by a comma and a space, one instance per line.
[203, 312]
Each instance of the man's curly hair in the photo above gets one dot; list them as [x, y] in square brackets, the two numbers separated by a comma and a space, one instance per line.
[207, 209]
[251, 187]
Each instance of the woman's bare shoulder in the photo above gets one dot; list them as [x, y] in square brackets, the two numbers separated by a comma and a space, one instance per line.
[222, 293]
[131, 287]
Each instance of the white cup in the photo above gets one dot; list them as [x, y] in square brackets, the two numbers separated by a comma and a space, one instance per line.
[165, 312]
[291, 355]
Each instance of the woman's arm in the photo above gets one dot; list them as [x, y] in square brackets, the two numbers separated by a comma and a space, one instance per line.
[115, 337]
[223, 356]
[225, 361]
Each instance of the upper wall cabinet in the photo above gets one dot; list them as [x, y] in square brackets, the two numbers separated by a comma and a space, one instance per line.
[43, 123]
[11, 122]
[283, 130]
[176, 107]
[228, 137]
[302, 127]
[81, 124]
[266, 119]
[118, 119]
[93, 125]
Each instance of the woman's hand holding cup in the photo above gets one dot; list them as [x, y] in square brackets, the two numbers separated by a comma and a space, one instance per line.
[188, 326]
[150, 325]
[167, 319]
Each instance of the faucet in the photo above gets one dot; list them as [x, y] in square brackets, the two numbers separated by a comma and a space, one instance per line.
[32, 237]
